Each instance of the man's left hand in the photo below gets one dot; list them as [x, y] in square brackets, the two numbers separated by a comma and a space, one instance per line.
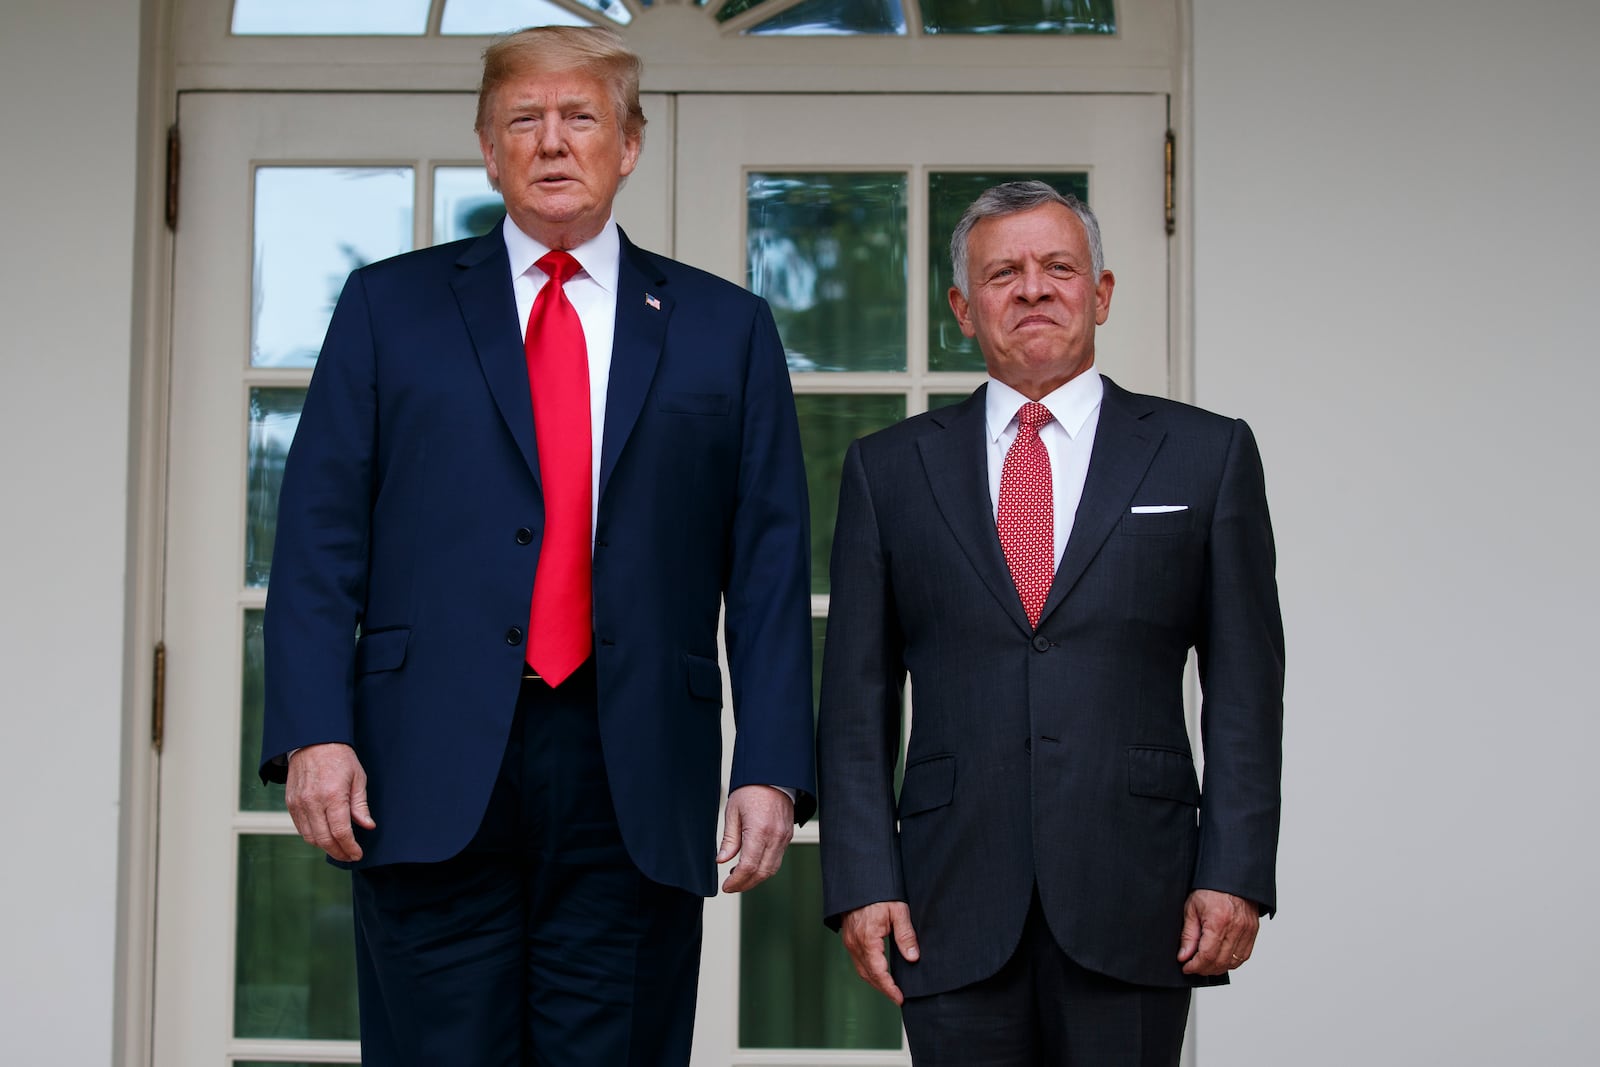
[1219, 932]
[756, 827]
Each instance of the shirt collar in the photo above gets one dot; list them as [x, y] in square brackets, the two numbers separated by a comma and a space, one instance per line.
[599, 256]
[1070, 405]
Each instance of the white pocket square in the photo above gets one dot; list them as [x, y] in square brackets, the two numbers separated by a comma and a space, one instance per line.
[1158, 509]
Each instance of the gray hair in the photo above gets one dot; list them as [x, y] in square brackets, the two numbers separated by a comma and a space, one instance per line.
[1011, 198]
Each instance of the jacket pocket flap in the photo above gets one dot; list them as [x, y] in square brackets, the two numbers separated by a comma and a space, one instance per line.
[1163, 773]
[705, 677]
[929, 784]
[695, 403]
[382, 651]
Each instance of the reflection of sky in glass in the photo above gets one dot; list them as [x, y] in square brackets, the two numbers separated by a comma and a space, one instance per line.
[498, 16]
[313, 226]
[463, 203]
[330, 16]
[823, 18]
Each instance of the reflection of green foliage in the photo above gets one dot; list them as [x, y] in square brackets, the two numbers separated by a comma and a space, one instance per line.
[1019, 16]
[735, 7]
[828, 423]
[479, 218]
[253, 796]
[295, 965]
[950, 193]
[828, 251]
[797, 988]
[274, 415]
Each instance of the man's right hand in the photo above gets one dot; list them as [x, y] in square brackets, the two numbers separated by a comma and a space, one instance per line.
[325, 790]
[863, 931]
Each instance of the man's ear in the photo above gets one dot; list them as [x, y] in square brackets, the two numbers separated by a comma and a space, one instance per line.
[1102, 297]
[958, 304]
[487, 148]
[631, 147]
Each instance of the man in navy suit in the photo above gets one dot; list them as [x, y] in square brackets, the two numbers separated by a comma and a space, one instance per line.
[531, 470]
[1040, 560]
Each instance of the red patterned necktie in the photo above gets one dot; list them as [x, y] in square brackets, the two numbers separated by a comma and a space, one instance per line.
[1027, 517]
[559, 626]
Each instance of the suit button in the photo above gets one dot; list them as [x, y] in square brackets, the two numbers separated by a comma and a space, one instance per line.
[514, 636]
[524, 536]
[1041, 644]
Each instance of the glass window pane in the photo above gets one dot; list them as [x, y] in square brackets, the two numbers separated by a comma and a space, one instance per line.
[828, 251]
[735, 7]
[797, 988]
[253, 796]
[274, 415]
[949, 195]
[463, 204]
[941, 400]
[614, 10]
[828, 423]
[330, 16]
[820, 18]
[498, 16]
[295, 967]
[313, 226]
[1019, 16]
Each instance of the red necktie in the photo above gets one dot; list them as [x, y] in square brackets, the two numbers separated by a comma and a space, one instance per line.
[1027, 519]
[559, 626]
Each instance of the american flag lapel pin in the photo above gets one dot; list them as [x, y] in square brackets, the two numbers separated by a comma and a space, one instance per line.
[652, 301]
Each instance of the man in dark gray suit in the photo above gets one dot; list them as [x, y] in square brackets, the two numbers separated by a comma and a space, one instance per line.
[1040, 559]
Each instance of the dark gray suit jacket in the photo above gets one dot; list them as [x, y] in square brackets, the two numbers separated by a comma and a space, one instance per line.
[1058, 757]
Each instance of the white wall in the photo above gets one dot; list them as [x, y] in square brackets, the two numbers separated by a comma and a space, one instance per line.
[69, 79]
[1396, 232]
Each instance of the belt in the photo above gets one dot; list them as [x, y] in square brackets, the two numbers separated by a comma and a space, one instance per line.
[529, 673]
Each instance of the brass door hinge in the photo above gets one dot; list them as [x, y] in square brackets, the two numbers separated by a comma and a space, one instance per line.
[174, 157]
[158, 698]
[1171, 195]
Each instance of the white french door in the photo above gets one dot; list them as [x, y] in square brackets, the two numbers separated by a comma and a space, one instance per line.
[835, 207]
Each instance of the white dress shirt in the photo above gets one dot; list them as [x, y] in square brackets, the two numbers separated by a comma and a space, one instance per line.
[1068, 437]
[593, 293]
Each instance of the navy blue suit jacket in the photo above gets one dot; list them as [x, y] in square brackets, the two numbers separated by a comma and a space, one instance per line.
[1057, 757]
[411, 510]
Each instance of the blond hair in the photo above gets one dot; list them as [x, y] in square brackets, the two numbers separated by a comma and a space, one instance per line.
[592, 49]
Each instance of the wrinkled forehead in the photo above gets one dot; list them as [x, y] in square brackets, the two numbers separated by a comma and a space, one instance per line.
[568, 86]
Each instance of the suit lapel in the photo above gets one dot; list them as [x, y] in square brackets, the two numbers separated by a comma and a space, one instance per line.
[957, 465]
[1124, 445]
[643, 308]
[483, 291]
